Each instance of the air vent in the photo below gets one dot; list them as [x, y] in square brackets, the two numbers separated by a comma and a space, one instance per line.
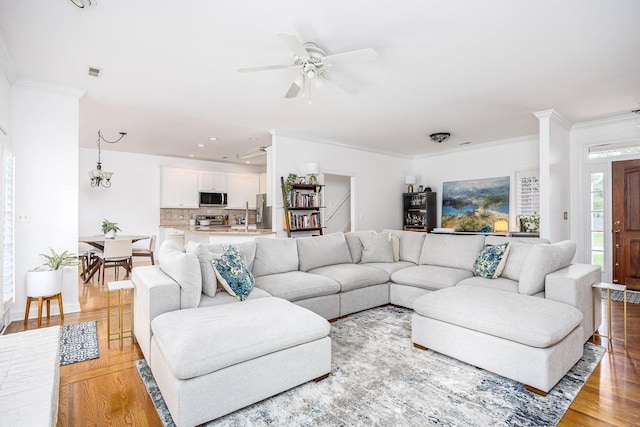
[94, 72]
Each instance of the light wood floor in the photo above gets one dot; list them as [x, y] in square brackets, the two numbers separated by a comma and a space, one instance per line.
[109, 391]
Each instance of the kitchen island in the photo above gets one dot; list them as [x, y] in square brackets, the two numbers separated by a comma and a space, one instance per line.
[219, 234]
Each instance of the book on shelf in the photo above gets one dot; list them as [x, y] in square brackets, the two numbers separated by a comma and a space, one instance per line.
[298, 199]
[302, 221]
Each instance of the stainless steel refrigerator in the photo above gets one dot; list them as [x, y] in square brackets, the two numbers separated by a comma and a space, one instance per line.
[263, 212]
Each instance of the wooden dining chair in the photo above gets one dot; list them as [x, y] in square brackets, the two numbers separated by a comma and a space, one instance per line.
[117, 253]
[142, 252]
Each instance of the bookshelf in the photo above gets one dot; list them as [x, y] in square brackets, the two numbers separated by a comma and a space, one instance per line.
[419, 211]
[302, 208]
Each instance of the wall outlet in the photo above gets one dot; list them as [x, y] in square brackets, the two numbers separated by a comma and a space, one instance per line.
[24, 218]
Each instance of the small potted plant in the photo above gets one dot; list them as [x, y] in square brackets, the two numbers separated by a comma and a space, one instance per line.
[288, 186]
[109, 229]
[47, 279]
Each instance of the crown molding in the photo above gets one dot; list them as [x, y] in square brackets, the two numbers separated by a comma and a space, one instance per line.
[555, 116]
[606, 121]
[6, 63]
[280, 132]
[49, 87]
[480, 146]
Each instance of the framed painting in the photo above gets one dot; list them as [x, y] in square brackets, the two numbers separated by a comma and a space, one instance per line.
[476, 205]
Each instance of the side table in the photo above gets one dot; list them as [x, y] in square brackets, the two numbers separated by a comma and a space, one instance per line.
[120, 334]
[612, 287]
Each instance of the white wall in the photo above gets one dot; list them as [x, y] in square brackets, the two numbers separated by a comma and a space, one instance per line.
[378, 177]
[133, 200]
[44, 136]
[5, 99]
[489, 160]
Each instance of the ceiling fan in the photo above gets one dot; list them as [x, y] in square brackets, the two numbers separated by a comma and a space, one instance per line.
[313, 65]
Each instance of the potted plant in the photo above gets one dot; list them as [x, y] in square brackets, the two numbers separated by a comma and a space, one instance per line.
[109, 229]
[47, 281]
[288, 186]
[531, 223]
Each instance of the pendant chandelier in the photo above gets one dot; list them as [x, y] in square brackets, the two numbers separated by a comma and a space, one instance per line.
[98, 176]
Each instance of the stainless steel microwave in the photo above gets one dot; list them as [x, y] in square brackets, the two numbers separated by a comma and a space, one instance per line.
[213, 199]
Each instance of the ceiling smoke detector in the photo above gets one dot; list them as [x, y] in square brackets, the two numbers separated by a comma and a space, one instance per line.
[440, 137]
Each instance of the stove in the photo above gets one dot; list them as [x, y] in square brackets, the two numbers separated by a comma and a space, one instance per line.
[213, 219]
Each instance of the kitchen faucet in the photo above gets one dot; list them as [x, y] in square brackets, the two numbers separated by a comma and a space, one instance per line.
[246, 217]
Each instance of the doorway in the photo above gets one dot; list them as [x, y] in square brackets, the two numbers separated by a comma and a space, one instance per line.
[337, 202]
[626, 222]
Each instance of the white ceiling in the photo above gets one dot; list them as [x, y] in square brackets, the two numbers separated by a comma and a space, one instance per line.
[477, 69]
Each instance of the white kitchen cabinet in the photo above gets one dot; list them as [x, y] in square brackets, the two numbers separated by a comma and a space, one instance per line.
[179, 188]
[212, 181]
[242, 188]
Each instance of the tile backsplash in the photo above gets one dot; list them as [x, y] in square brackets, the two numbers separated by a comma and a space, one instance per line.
[181, 216]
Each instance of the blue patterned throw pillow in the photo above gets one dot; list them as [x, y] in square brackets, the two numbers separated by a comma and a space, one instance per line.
[233, 273]
[491, 261]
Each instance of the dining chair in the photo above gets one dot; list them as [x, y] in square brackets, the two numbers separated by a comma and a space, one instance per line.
[85, 256]
[117, 253]
[142, 252]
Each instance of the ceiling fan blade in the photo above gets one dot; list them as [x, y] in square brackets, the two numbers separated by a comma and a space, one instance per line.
[262, 68]
[342, 85]
[354, 55]
[295, 87]
[294, 44]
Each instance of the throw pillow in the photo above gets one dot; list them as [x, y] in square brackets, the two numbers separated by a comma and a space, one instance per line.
[209, 282]
[491, 260]
[395, 245]
[376, 248]
[233, 273]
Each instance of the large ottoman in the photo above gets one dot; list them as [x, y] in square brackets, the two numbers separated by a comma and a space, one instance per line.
[528, 339]
[211, 361]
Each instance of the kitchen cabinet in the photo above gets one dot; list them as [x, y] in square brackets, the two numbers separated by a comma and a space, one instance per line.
[242, 188]
[212, 182]
[179, 188]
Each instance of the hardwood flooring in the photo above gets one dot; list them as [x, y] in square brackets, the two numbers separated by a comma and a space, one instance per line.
[109, 392]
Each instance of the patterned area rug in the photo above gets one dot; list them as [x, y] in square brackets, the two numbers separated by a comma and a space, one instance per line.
[78, 342]
[633, 297]
[379, 378]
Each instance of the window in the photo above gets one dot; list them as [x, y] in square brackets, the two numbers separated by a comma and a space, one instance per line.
[528, 189]
[597, 218]
[614, 149]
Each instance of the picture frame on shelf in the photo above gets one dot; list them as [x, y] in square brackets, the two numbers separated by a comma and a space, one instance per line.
[302, 180]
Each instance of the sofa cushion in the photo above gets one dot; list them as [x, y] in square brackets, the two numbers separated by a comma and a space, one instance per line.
[390, 267]
[536, 322]
[543, 259]
[519, 248]
[491, 260]
[223, 297]
[233, 273]
[395, 247]
[355, 244]
[498, 283]
[353, 276]
[209, 280]
[450, 250]
[235, 333]
[376, 248]
[318, 251]
[247, 250]
[184, 268]
[274, 256]
[297, 285]
[410, 244]
[430, 277]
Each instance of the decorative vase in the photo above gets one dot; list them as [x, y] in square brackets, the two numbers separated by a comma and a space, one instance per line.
[111, 234]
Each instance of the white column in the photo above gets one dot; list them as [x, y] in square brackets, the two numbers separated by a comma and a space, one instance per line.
[554, 176]
[44, 135]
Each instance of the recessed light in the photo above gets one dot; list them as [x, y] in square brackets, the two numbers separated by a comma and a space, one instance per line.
[248, 162]
[191, 155]
[253, 138]
[200, 145]
[213, 138]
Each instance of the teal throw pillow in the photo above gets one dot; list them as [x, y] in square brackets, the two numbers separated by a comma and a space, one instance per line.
[491, 261]
[233, 273]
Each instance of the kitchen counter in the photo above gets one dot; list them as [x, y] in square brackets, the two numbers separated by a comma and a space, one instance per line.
[219, 229]
[218, 233]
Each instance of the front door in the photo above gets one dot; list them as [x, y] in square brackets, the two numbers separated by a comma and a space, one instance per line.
[626, 223]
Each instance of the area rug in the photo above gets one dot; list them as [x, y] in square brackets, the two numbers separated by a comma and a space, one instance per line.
[379, 378]
[632, 296]
[78, 342]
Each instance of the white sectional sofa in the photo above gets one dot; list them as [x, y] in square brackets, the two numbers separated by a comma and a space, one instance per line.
[338, 274]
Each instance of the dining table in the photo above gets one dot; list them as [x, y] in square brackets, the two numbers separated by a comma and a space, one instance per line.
[97, 241]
